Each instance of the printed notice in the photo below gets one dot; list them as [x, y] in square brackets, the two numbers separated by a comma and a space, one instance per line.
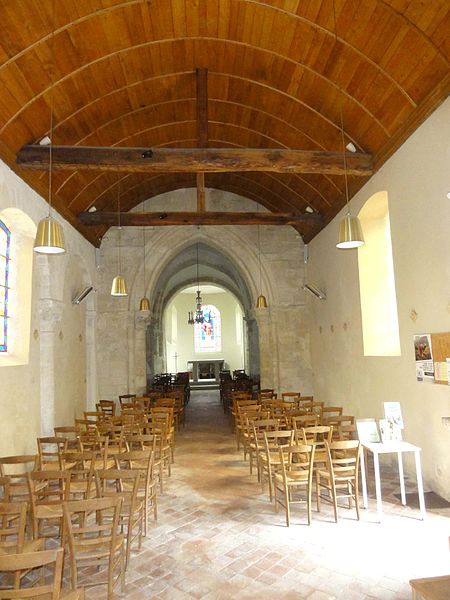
[424, 358]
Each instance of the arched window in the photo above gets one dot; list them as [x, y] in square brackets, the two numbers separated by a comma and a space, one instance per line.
[377, 281]
[208, 335]
[5, 248]
[17, 233]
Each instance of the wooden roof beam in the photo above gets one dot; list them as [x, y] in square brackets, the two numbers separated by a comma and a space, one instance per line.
[193, 160]
[155, 219]
[202, 129]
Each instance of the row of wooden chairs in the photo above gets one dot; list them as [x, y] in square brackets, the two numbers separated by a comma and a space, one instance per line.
[47, 492]
[289, 457]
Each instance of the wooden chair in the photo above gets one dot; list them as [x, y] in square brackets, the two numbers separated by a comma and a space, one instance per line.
[247, 419]
[295, 473]
[81, 467]
[91, 528]
[297, 422]
[107, 407]
[270, 457]
[125, 399]
[143, 462]
[70, 432]
[338, 421]
[317, 436]
[290, 397]
[49, 452]
[267, 394]
[431, 588]
[252, 411]
[256, 445]
[331, 411]
[25, 562]
[16, 468]
[340, 478]
[13, 519]
[124, 483]
[48, 490]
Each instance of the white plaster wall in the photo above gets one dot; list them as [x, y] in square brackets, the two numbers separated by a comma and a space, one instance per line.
[232, 351]
[27, 392]
[417, 181]
[284, 334]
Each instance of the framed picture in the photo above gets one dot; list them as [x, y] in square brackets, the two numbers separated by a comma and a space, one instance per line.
[368, 431]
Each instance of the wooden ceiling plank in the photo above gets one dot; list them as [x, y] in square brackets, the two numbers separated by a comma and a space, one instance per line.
[193, 160]
[135, 219]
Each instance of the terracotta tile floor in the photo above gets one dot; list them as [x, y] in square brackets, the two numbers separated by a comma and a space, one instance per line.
[218, 537]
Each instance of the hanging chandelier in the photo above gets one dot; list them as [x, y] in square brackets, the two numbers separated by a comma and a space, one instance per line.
[197, 316]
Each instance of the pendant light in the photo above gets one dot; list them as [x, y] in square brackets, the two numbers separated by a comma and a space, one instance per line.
[119, 286]
[350, 231]
[49, 235]
[197, 316]
[144, 304]
[261, 302]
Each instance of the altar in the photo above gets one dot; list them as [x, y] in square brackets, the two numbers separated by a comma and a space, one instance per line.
[206, 370]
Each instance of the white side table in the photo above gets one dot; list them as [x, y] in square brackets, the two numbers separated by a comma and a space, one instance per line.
[391, 448]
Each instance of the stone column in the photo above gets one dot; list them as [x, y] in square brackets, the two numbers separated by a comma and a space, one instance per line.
[267, 347]
[91, 359]
[50, 316]
[141, 323]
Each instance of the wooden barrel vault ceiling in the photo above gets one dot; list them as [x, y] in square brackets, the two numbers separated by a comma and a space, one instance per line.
[123, 73]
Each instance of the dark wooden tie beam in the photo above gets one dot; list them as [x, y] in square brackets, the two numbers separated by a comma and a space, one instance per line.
[135, 219]
[193, 160]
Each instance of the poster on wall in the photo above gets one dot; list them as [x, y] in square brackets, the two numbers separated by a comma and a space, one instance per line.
[424, 358]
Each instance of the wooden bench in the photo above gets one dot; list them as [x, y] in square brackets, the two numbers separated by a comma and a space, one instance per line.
[431, 588]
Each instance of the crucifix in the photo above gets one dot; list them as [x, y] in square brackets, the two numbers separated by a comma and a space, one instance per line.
[175, 356]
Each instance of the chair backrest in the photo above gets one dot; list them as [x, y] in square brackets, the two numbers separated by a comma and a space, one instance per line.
[50, 450]
[108, 407]
[343, 458]
[318, 435]
[169, 402]
[297, 460]
[142, 441]
[328, 411]
[274, 439]
[339, 420]
[48, 487]
[125, 399]
[122, 482]
[304, 420]
[24, 562]
[290, 396]
[15, 468]
[13, 518]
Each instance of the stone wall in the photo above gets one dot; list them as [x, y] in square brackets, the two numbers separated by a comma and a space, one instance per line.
[52, 380]
[283, 328]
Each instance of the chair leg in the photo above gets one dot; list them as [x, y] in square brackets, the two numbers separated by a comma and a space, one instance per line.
[356, 490]
[333, 493]
[288, 506]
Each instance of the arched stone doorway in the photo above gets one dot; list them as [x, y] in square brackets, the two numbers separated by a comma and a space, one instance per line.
[215, 267]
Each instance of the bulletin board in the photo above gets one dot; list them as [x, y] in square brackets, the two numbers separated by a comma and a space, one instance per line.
[441, 356]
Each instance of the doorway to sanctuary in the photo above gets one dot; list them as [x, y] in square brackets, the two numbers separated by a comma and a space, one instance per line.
[209, 345]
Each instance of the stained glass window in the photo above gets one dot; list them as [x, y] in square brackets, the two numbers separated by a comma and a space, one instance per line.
[208, 335]
[5, 242]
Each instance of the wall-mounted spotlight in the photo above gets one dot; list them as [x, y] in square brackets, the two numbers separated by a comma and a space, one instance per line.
[315, 291]
[82, 295]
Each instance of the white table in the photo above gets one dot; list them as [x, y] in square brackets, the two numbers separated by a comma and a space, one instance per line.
[391, 448]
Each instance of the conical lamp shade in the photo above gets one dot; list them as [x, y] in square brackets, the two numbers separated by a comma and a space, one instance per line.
[261, 302]
[119, 286]
[144, 304]
[350, 233]
[49, 237]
